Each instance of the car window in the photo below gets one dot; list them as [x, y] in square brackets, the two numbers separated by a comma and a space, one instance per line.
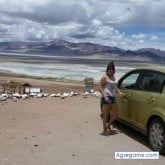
[161, 79]
[129, 81]
[151, 81]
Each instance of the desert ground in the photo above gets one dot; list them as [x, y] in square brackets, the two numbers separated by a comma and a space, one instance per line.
[55, 131]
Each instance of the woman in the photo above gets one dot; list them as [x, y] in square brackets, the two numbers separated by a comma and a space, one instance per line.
[108, 89]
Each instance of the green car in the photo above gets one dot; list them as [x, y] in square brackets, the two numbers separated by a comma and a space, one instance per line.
[143, 104]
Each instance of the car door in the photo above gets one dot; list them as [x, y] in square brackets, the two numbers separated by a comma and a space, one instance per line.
[143, 100]
[127, 85]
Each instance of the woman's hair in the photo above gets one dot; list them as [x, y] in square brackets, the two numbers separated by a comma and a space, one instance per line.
[111, 65]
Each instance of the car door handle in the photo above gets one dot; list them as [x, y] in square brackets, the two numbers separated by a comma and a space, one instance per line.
[151, 100]
[126, 96]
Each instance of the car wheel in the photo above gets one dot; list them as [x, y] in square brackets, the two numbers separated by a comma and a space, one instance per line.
[156, 135]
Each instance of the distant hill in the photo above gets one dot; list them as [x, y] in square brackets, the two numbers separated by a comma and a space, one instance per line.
[65, 48]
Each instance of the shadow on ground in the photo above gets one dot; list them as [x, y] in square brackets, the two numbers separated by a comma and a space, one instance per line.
[141, 138]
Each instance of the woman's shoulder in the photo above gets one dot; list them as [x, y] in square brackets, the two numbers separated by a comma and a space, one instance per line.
[104, 77]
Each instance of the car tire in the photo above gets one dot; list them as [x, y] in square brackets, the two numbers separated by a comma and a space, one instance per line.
[156, 135]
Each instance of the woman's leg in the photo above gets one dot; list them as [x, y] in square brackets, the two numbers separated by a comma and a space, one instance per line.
[114, 112]
[101, 107]
[106, 111]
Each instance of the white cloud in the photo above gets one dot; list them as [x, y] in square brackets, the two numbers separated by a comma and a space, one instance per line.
[154, 38]
[141, 41]
[84, 20]
[138, 36]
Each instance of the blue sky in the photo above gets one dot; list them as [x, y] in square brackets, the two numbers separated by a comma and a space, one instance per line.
[127, 24]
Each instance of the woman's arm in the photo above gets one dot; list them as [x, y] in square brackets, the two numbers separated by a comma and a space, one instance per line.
[120, 93]
[102, 86]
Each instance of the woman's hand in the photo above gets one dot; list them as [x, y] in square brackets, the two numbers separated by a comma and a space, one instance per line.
[106, 98]
[121, 93]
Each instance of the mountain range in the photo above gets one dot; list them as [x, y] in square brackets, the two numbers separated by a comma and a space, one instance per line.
[65, 48]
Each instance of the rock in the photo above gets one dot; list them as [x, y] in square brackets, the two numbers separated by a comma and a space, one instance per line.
[3, 97]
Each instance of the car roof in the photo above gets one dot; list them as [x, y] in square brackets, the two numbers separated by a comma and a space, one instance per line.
[155, 68]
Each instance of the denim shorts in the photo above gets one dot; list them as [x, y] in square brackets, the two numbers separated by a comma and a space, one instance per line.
[111, 100]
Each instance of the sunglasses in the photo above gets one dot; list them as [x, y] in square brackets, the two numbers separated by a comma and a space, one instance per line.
[111, 69]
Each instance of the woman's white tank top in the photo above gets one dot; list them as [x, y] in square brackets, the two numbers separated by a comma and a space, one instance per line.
[110, 87]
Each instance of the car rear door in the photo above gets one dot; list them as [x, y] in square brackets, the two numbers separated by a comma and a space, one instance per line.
[144, 99]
